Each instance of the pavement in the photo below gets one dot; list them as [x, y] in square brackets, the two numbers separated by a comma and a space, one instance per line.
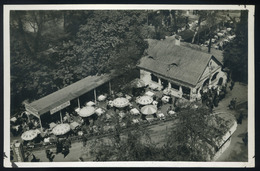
[236, 151]
[239, 91]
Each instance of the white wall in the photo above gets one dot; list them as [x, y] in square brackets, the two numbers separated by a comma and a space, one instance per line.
[145, 76]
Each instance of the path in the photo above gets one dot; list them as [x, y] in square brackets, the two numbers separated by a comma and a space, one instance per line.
[236, 151]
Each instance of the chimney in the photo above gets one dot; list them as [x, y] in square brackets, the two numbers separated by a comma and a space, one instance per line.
[177, 40]
[209, 47]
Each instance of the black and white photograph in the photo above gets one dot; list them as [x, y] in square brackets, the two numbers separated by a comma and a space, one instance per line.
[127, 86]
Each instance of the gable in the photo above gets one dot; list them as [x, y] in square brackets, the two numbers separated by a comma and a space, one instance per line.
[212, 66]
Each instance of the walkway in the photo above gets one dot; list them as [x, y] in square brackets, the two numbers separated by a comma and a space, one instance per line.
[236, 151]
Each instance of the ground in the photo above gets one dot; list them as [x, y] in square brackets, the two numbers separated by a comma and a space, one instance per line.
[237, 151]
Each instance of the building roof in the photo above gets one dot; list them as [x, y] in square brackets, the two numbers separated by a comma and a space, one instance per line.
[68, 93]
[218, 54]
[178, 63]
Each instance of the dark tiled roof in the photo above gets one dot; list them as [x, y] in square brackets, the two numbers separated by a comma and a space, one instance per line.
[68, 93]
[178, 63]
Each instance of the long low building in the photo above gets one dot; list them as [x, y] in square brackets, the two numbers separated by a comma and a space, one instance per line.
[184, 71]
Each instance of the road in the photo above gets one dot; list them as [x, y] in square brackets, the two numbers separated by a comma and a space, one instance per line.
[236, 151]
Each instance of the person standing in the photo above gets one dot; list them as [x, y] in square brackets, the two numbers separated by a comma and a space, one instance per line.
[232, 85]
[49, 155]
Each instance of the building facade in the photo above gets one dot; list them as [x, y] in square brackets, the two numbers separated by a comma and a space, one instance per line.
[181, 71]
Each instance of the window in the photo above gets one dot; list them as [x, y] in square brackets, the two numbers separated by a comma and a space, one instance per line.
[174, 86]
[186, 93]
[214, 76]
[185, 90]
[154, 78]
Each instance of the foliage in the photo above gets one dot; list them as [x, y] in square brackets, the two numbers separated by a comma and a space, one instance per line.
[166, 22]
[236, 52]
[135, 145]
[53, 49]
[192, 138]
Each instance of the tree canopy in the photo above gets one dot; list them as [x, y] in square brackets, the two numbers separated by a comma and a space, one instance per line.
[52, 49]
[191, 138]
[236, 53]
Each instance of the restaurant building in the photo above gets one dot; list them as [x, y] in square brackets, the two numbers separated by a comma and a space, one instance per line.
[181, 70]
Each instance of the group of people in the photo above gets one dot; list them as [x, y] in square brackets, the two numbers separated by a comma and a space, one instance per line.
[63, 146]
[22, 122]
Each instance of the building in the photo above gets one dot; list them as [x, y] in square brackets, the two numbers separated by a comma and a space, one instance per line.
[181, 70]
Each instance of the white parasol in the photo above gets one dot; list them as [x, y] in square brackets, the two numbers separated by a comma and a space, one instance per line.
[149, 109]
[61, 129]
[29, 135]
[144, 100]
[86, 111]
[120, 102]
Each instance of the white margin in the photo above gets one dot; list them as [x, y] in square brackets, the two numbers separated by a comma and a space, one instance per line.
[251, 81]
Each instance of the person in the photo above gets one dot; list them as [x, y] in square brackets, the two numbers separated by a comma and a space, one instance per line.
[216, 101]
[84, 140]
[34, 159]
[65, 151]
[58, 146]
[169, 109]
[49, 155]
[240, 118]
[234, 103]
[80, 159]
[232, 85]
[159, 104]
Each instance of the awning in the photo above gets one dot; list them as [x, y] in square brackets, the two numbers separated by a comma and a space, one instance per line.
[68, 93]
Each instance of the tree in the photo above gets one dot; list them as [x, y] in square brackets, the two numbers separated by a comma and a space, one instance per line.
[53, 49]
[111, 40]
[193, 137]
[236, 52]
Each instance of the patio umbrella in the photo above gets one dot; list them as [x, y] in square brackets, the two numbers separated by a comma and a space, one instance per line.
[144, 100]
[29, 135]
[61, 129]
[137, 83]
[149, 109]
[86, 111]
[120, 102]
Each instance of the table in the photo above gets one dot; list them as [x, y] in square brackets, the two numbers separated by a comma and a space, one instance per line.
[77, 110]
[135, 121]
[154, 87]
[107, 128]
[167, 91]
[165, 99]
[110, 103]
[90, 103]
[101, 98]
[155, 103]
[128, 97]
[134, 111]
[80, 133]
[46, 140]
[171, 112]
[161, 116]
[100, 111]
[52, 125]
[122, 114]
[74, 125]
[149, 93]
